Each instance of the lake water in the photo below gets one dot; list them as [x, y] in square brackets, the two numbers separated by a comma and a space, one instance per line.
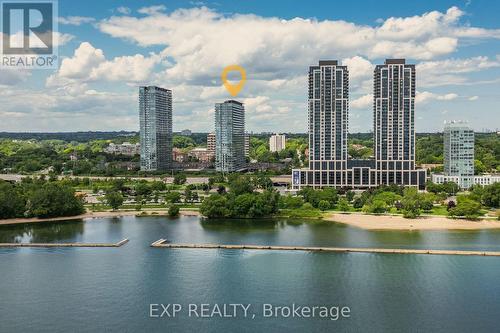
[111, 289]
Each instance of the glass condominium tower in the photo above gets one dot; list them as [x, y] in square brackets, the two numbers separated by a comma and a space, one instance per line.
[328, 107]
[459, 152]
[155, 113]
[394, 122]
[394, 132]
[229, 136]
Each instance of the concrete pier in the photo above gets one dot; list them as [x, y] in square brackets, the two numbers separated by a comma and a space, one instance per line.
[120, 243]
[161, 244]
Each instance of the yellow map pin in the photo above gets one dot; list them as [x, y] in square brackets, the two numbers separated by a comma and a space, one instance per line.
[234, 89]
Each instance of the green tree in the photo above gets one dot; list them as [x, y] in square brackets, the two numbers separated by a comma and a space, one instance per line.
[329, 194]
[358, 203]
[388, 197]
[343, 205]
[143, 189]
[158, 186]
[53, 199]
[310, 195]
[349, 195]
[114, 199]
[375, 207]
[411, 203]
[324, 205]
[466, 207]
[173, 210]
[451, 188]
[180, 141]
[291, 202]
[491, 195]
[240, 184]
[118, 184]
[263, 182]
[215, 206]
[479, 167]
[173, 197]
[180, 179]
[12, 202]
[188, 195]
[242, 204]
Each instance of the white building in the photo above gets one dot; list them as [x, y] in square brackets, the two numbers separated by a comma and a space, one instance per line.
[459, 152]
[125, 148]
[277, 142]
[483, 180]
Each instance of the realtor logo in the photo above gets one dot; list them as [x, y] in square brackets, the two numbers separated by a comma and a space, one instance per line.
[28, 32]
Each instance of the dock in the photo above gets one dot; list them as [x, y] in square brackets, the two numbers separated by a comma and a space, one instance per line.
[161, 243]
[118, 244]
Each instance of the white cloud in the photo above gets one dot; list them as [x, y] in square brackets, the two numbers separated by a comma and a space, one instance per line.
[123, 10]
[152, 10]
[280, 48]
[57, 109]
[452, 71]
[137, 68]
[90, 64]
[426, 96]
[197, 43]
[473, 98]
[75, 20]
[85, 58]
[13, 76]
[362, 102]
[359, 68]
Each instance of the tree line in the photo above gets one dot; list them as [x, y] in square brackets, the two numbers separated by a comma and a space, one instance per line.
[38, 198]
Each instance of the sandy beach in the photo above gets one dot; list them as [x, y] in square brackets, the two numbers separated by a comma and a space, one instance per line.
[94, 215]
[387, 222]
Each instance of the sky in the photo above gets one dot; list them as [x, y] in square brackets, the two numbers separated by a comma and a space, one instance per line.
[107, 49]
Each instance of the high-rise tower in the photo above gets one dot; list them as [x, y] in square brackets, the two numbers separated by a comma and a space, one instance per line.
[155, 112]
[459, 152]
[229, 136]
[394, 131]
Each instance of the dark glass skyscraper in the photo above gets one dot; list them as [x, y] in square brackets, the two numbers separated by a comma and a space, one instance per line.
[155, 112]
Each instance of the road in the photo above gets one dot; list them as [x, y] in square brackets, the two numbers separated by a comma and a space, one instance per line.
[168, 180]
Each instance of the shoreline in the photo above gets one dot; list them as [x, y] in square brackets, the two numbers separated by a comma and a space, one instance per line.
[96, 215]
[391, 222]
[358, 220]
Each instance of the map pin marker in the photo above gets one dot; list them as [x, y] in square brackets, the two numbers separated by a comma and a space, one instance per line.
[234, 89]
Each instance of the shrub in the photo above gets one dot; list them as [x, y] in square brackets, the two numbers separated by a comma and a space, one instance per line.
[466, 207]
[323, 205]
[173, 210]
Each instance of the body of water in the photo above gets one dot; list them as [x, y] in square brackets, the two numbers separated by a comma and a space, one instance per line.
[111, 289]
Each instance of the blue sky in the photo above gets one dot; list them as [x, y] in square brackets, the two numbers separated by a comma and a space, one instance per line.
[107, 49]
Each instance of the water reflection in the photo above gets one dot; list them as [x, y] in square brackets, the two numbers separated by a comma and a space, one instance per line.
[41, 232]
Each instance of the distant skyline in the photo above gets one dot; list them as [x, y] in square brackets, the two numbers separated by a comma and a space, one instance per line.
[109, 49]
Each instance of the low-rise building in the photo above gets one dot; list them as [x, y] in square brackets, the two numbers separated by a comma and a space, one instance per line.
[178, 155]
[202, 154]
[483, 180]
[125, 148]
